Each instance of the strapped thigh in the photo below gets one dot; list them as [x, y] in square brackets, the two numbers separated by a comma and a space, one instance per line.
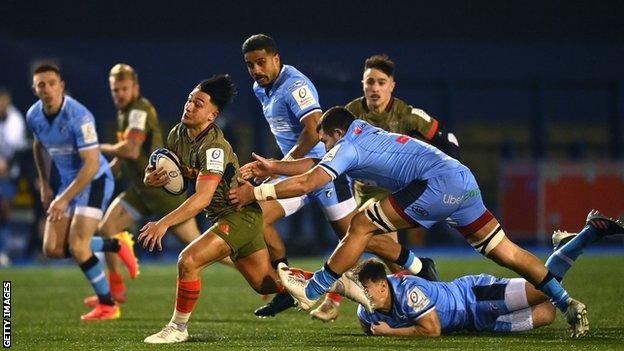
[375, 214]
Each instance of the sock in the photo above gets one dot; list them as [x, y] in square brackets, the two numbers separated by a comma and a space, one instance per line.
[92, 269]
[335, 297]
[278, 261]
[562, 260]
[409, 261]
[116, 283]
[553, 289]
[186, 297]
[99, 244]
[322, 280]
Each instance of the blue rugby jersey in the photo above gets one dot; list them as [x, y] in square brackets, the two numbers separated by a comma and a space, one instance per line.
[71, 130]
[290, 98]
[388, 160]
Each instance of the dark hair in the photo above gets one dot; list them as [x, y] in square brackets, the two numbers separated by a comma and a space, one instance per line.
[336, 117]
[371, 269]
[220, 88]
[46, 67]
[381, 62]
[260, 42]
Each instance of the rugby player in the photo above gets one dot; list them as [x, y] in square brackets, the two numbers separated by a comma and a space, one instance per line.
[66, 130]
[380, 108]
[422, 180]
[138, 134]
[290, 104]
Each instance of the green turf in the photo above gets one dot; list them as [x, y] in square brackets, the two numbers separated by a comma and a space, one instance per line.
[47, 303]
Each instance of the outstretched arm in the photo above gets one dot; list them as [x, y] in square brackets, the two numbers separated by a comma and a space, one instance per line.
[290, 187]
[262, 167]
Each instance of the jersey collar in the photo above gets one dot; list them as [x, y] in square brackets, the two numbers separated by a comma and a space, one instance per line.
[200, 135]
[276, 82]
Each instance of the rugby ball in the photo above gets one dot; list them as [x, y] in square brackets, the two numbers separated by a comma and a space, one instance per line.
[171, 164]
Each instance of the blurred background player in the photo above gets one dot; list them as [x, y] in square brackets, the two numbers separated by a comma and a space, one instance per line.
[138, 134]
[290, 105]
[66, 130]
[12, 139]
[380, 108]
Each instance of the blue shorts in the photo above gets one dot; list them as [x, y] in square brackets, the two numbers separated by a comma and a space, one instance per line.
[495, 304]
[335, 199]
[93, 200]
[425, 202]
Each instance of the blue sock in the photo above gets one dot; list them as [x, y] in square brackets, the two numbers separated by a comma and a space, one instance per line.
[92, 269]
[553, 289]
[562, 260]
[97, 244]
[322, 280]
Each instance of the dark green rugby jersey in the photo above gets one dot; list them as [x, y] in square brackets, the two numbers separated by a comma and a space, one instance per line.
[399, 117]
[139, 121]
[209, 155]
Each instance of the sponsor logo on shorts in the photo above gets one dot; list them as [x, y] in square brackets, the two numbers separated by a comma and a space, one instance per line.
[451, 199]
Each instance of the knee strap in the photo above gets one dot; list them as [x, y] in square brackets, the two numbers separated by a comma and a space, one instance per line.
[487, 244]
[376, 215]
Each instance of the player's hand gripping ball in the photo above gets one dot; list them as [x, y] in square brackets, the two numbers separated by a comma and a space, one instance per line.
[171, 164]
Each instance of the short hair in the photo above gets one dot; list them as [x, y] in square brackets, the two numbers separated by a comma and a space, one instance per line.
[220, 88]
[336, 117]
[260, 42]
[122, 71]
[46, 67]
[371, 270]
[381, 62]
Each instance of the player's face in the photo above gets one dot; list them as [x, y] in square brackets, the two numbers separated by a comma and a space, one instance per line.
[124, 91]
[262, 66]
[378, 292]
[378, 88]
[49, 87]
[199, 110]
[330, 139]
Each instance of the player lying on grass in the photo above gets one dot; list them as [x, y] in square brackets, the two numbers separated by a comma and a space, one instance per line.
[207, 158]
[427, 186]
[411, 306]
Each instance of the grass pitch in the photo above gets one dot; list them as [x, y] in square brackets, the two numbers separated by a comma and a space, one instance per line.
[47, 303]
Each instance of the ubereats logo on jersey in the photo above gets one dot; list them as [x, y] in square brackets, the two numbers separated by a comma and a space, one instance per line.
[417, 300]
[304, 97]
[331, 153]
[88, 133]
[214, 160]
